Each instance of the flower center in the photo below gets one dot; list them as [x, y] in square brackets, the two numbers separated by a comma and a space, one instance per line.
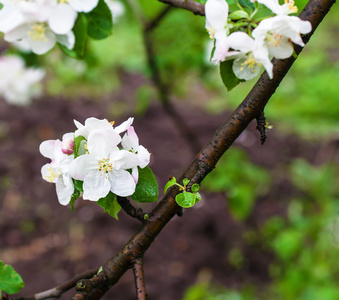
[290, 4]
[250, 63]
[38, 32]
[211, 31]
[104, 166]
[63, 1]
[273, 39]
[52, 174]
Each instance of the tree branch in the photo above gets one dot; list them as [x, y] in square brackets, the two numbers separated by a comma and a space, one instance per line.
[190, 5]
[139, 278]
[208, 157]
[133, 212]
[61, 289]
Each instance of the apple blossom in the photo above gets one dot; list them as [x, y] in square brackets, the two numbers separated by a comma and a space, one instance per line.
[130, 142]
[250, 56]
[57, 171]
[287, 8]
[41, 23]
[276, 34]
[216, 12]
[92, 124]
[19, 84]
[104, 168]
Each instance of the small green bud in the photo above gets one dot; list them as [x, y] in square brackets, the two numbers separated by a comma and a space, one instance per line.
[195, 188]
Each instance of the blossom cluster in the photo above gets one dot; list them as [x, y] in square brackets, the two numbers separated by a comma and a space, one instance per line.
[251, 49]
[42, 23]
[19, 84]
[96, 155]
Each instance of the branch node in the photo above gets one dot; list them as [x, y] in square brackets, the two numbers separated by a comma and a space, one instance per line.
[133, 212]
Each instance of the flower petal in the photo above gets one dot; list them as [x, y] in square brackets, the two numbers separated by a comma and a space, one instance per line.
[95, 186]
[122, 183]
[83, 5]
[63, 18]
[64, 192]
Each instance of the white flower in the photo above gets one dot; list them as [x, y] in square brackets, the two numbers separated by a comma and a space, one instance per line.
[117, 9]
[216, 12]
[90, 125]
[278, 32]
[18, 85]
[250, 56]
[130, 142]
[41, 23]
[83, 5]
[58, 170]
[287, 8]
[124, 125]
[105, 167]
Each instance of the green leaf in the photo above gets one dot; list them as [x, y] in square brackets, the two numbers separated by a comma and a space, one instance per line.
[197, 197]
[185, 181]
[80, 32]
[195, 188]
[100, 22]
[110, 205]
[147, 187]
[185, 199]
[247, 3]
[227, 75]
[79, 146]
[78, 184]
[170, 183]
[10, 281]
[238, 14]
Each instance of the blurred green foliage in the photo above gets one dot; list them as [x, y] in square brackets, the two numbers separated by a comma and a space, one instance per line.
[243, 181]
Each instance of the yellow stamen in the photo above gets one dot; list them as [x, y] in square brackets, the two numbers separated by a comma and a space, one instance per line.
[291, 6]
[211, 31]
[38, 32]
[104, 166]
[274, 39]
[52, 174]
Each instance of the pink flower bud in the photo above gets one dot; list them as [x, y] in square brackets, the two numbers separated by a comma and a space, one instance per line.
[67, 146]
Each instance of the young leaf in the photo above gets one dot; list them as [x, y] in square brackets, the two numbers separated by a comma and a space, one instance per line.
[10, 281]
[170, 183]
[185, 199]
[79, 146]
[110, 205]
[80, 32]
[147, 187]
[195, 188]
[227, 75]
[100, 22]
[185, 181]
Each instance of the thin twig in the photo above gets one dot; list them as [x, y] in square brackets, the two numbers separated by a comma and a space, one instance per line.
[56, 292]
[190, 5]
[139, 279]
[133, 212]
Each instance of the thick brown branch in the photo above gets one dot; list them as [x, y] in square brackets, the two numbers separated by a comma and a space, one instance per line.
[208, 157]
[190, 5]
[139, 279]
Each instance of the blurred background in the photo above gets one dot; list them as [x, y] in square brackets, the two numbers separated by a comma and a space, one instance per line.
[267, 227]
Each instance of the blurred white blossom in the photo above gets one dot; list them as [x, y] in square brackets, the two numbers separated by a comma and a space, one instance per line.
[18, 84]
[117, 9]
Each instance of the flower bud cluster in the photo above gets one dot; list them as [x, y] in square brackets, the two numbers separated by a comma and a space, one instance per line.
[96, 155]
[250, 43]
[42, 23]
